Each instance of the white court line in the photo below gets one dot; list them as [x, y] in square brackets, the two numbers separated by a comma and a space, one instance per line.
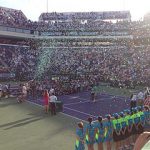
[76, 103]
[71, 96]
[111, 96]
[97, 100]
[80, 112]
[59, 112]
[73, 117]
[89, 100]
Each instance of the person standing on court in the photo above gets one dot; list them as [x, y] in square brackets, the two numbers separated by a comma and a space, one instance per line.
[140, 98]
[22, 97]
[79, 145]
[51, 91]
[93, 95]
[90, 134]
[1, 91]
[133, 99]
[117, 131]
[53, 100]
[46, 99]
[108, 132]
[99, 133]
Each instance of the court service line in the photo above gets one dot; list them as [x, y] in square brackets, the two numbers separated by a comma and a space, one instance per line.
[76, 103]
[89, 100]
[80, 112]
[111, 95]
[97, 100]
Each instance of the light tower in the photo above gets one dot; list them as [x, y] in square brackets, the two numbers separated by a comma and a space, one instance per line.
[47, 6]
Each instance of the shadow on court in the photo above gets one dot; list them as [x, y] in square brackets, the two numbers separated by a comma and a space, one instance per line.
[6, 105]
[24, 123]
[15, 122]
[26, 126]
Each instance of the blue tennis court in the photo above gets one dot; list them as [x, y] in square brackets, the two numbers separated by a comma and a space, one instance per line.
[79, 105]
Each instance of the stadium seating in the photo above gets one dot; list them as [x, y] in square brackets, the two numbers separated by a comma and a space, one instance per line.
[73, 62]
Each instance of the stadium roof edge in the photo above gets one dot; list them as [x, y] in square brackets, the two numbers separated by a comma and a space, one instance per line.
[10, 8]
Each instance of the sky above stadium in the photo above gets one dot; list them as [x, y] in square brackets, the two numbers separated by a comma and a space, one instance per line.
[33, 8]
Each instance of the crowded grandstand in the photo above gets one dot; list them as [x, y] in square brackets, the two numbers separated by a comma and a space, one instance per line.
[77, 52]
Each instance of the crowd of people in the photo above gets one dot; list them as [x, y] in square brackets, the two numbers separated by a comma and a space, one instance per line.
[99, 25]
[15, 18]
[19, 60]
[75, 66]
[55, 24]
[123, 128]
[76, 24]
[25, 92]
[49, 100]
[85, 15]
[79, 67]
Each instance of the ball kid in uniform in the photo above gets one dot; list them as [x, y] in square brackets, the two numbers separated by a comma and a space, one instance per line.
[116, 131]
[90, 134]
[108, 132]
[79, 145]
[99, 133]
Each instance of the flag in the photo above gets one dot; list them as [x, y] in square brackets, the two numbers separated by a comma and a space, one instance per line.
[147, 101]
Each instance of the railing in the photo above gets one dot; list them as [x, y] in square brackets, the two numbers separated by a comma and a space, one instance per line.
[18, 30]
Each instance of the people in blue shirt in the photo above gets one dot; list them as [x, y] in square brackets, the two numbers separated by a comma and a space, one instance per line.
[123, 124]
[136, 120]
[130, 126]
[124, 130]
[117, 130]
[108, 132]
[136, 117]
[142, 118]
[90, 134]
[124, 127]
[99, 133]
[79, 145]
[147, 118]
